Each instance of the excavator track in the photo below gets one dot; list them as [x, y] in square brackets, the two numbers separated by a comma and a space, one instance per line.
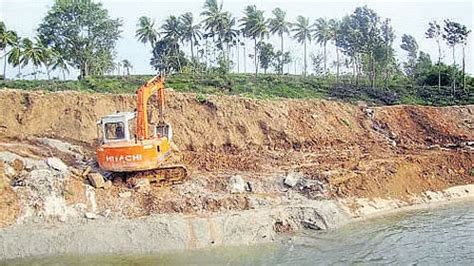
[164, 176]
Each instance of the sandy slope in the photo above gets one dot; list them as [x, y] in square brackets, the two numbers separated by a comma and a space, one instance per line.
[342, 150]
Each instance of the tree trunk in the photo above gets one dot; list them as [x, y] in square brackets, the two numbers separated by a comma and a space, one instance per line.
[245, 60]
[213, 48]
[238, 56]
[228, 57]
[84, 71]
[281, 62]
[192, 51]
[357, 70]
[19, 70]
[5, 64]
[353, 71]
[337, 65]
[256, 57]
[464, 67]
[385, 70]
[34, 68]
[47, 73]
[304, 59]
[439, 65]
[325, 58]
[295, 68]
[205, 53]
[64, 75]
[454, 72]
[372, 76]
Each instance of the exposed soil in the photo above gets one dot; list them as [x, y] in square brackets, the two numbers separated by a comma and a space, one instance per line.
[9, 205]
[350, 150]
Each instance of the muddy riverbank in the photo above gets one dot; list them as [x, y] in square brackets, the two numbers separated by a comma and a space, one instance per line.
[168, 233]
[258, 169]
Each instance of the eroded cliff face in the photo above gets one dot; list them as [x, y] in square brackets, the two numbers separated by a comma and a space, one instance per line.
[340, 150]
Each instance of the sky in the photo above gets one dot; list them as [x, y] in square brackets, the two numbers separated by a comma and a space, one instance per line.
[407, 17]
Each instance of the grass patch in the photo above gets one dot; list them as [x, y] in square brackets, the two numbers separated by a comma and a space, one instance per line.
[269, 86]
[345, 122]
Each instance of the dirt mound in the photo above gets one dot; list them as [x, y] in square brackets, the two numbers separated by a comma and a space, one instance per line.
[354, 150]
[223, 123]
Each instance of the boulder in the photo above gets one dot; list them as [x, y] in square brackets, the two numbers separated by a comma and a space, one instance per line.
[90, 215]
[96, 180]
[28, 163]
[126, 194]
[9, 171]
[237, 184]
[292, 179]
[108, 184]
[142, 185]
[87, 171]
[31, 164]
[9, 157]
[57, 164]
[369, 112]
[18, 165]
[75, 171]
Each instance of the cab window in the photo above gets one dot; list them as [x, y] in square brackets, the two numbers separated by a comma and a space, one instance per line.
[114, 131]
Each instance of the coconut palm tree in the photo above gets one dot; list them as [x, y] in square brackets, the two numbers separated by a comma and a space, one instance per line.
[214, 18]
[191, 32]
[60, 63]
[215, 22]
[118, 67]
[454, 34]
[230, 35]
[127, 66]
[15, 54]
[322, 34]
[334, 29]
[33, 52]
[254, 26]
[7, 38]
[146, 32]
[278, 25]
[302, 34]
[172, 28]
[48, 58]
[435, 32]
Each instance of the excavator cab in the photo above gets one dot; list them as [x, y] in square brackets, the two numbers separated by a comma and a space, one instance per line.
[119, 127]
[115, 127]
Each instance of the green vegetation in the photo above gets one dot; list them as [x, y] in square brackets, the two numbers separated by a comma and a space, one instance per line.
[201, 98]
[345, 122]
[73, 33]
[82, 35]
[269, 86]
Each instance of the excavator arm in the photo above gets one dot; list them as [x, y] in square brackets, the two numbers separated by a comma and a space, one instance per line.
[155, 85]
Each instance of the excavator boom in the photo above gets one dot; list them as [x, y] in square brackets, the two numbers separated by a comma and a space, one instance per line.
[155, 85]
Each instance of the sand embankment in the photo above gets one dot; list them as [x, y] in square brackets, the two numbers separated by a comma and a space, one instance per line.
[349, 161]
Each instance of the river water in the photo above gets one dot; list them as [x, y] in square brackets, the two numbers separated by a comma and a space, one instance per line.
[444, 235]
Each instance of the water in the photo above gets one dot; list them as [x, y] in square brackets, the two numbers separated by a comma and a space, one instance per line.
[444, 235]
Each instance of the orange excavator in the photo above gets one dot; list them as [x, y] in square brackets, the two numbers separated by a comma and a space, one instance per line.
[129, 143]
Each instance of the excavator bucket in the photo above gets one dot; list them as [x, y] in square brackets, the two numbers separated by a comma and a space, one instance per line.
[164, 130]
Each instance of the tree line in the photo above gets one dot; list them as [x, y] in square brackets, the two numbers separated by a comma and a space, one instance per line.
[82, 35]
[363, 42]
